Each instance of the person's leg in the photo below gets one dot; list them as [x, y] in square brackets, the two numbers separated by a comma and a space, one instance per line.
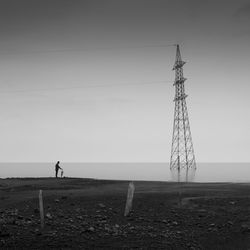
[56, 173]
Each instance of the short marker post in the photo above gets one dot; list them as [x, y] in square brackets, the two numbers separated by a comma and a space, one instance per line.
[41, 208]
[130, 195]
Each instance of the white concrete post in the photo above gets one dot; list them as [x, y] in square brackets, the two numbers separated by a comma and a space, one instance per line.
[130, 195]
[41, 208]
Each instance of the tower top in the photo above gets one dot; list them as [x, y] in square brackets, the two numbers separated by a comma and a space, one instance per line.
[178, 61]
[178, 53]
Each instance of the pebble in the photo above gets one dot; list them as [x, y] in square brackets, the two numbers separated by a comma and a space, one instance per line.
[101, 205]
[49, 216]
[91, 229]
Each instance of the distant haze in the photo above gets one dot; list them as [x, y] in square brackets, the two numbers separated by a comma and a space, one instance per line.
[54, 53]
[206, 172]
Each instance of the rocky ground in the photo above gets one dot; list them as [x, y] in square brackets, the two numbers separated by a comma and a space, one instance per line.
[88, 214]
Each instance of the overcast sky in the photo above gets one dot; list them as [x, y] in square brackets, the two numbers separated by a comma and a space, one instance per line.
[55, 54]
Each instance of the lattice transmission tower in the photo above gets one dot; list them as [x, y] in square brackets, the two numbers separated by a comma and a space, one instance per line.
[182, 163]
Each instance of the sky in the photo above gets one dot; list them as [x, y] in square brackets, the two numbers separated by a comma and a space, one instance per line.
[92, 80]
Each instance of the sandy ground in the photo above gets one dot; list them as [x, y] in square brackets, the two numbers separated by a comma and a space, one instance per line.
[88, 214]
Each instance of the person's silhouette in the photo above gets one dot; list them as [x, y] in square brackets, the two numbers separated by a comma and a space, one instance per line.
[57, 167]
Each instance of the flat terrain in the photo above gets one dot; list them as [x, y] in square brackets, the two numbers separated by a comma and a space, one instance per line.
[88, 214]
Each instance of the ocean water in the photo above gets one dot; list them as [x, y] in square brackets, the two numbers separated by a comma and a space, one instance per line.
[206, 172]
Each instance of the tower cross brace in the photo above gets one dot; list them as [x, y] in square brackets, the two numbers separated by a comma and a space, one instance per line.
[182, 162]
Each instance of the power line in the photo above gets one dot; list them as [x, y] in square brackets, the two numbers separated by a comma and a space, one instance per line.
[13, 52]
[83, 87]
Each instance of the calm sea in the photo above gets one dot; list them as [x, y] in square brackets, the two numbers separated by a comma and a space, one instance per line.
[206, 172]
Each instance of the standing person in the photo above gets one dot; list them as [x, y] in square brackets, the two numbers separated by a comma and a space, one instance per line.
[57, 167]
